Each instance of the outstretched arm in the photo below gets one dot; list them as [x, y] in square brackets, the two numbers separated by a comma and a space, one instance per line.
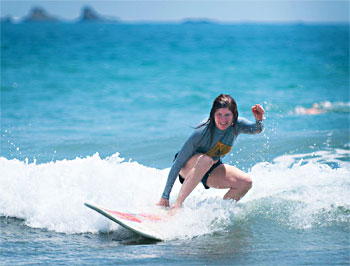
[247, 127]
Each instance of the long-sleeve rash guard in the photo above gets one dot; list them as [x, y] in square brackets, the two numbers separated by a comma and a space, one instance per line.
[199, 142]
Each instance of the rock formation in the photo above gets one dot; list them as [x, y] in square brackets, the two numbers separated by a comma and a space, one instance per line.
[38, 14]
[88, 14]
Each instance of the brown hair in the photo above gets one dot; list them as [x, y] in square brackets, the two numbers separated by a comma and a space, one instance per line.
[222, 101]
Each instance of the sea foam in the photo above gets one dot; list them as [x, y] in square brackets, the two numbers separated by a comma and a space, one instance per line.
[298, 191]
[322, 107]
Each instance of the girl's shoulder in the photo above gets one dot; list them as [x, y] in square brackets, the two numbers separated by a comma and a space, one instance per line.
[200, 130]
[242, 121]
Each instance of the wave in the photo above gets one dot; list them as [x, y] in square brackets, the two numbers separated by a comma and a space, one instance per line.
[304, 190]
[298, 191]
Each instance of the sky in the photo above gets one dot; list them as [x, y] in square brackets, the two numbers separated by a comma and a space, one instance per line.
[313, 11]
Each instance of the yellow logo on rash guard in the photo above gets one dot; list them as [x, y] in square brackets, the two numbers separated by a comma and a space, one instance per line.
[219, 149]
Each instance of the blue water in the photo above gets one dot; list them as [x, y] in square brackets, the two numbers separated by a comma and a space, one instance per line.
[77, 99]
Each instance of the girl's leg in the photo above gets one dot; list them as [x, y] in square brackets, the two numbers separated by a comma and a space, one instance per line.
[192, 172]
[228, 176]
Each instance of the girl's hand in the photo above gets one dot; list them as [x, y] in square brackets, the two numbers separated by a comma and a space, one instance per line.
[174, 209]
[163, 202]
[258, 112]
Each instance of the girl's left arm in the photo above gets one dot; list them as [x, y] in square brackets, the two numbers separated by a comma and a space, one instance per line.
[245, 126]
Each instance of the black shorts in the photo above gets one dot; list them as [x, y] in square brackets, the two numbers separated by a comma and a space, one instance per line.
[205, 177]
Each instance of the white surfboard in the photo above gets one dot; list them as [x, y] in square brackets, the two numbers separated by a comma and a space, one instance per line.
[141, 223]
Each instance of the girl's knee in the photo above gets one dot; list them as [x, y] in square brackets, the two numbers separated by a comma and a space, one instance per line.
[205, 159]
[247, 182]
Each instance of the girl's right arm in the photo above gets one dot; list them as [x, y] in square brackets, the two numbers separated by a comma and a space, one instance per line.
[187, 150]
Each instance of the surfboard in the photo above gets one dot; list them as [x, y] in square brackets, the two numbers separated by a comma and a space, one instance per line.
[143, 224]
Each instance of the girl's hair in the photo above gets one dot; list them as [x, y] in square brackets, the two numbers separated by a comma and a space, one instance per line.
[222, 101]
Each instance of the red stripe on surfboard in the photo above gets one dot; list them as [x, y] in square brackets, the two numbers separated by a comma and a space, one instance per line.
[149, 216]
[126, 216]
[134, 217]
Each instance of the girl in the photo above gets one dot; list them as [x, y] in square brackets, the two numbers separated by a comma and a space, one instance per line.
[199, 160]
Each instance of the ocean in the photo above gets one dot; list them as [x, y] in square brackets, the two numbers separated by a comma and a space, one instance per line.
[95, 112]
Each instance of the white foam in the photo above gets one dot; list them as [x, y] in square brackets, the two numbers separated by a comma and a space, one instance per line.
[51, 195]
[307, 185]
[299, 188]
[322, 107]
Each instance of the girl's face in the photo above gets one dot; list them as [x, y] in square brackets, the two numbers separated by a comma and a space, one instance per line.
[223, 118]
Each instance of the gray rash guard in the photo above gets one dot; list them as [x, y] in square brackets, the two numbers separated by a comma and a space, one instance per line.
[199, 142]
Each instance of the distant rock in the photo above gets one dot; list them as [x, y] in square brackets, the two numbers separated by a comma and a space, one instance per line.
[38, 14]
[88, 14]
